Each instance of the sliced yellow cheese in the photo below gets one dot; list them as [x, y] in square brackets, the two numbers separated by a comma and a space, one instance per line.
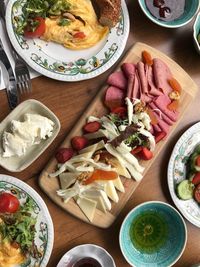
[87, 206]
[118, 184]
[100, 203]
[120, 168]
[67, 179]
[111, 191]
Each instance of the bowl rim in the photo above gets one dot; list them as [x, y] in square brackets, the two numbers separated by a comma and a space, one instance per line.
[160, 23]
[154, 202]
[195, 32]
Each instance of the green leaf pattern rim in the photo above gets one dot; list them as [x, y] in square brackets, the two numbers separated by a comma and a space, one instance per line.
[177, 172]
[77, 70]
[44, 227]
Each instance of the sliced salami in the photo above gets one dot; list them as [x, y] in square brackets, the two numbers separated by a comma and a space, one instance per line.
[161, 103]
[162, 124]
[150, 79]
[118, 79]
[130, 85]
[128, 69]
[114, 97]
[142, 77]
[161, 114]
[135, 91]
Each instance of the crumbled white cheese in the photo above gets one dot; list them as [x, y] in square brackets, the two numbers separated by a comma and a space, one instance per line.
[24, 134]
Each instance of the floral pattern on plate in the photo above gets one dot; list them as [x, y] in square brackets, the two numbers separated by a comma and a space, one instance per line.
[44, 226]
[177, 172]
[57, 62]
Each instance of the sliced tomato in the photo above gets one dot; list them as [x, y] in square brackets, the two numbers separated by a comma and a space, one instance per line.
[121, 111]
[8, 203]
[145, 154]
[197, 193]
[159, 136]
[39, 30]
[136, 150]
[196, 178]
[79, 35]
[198, 161]
[92, 127]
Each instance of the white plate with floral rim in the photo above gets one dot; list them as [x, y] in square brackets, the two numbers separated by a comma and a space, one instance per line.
[44, 226]
[177, 172]
[57, 62]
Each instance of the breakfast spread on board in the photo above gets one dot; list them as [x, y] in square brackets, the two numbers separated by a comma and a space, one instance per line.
[74, 24]
[143, 99]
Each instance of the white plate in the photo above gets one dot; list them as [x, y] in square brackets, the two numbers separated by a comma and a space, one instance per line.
[177, 172]
[44, 227]
[87, 250]
[57, 62]
[15, 163]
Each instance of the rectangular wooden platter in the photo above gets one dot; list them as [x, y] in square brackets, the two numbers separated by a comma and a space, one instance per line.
[97, 108]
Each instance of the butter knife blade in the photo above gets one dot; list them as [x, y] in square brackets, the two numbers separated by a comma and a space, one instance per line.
[9, 78]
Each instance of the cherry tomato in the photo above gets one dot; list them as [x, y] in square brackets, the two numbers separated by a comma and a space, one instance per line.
[39, 31]
[197, 193]
[198, 161]
[136, 150]
[196, 178]
[8, 203]
[121, 111]
[79, 35]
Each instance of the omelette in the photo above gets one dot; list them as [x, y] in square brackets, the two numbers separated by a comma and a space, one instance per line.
[82, 30]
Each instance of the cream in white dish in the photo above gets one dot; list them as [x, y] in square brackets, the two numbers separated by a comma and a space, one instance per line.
[26, 133]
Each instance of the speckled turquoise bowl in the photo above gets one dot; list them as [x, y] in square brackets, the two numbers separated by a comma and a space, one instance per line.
[157, 253]
[191, 9]
[196, 31]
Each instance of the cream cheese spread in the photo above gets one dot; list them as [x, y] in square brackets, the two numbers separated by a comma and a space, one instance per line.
[26, 133]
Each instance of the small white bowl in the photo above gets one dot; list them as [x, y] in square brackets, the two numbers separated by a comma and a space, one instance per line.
[87, 250]
[15, 163]
[196, 31]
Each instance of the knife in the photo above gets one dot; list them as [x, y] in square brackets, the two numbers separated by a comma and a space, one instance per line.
[9, 78]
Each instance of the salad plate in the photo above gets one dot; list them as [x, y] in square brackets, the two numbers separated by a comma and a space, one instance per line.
[55, 61]
[177, 172]
[44, 237]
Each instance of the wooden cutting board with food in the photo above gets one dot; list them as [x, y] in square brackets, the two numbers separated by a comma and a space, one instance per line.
[112, 146]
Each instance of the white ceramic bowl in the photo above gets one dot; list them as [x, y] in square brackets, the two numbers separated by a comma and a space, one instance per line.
[196, 31]
[15, 163]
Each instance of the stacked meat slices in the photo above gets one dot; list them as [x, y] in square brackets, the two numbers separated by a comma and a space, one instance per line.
[149, 83]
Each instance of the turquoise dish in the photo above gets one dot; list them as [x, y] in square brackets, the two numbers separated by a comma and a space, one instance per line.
[196, 32]
[153, 234]
[191, 8]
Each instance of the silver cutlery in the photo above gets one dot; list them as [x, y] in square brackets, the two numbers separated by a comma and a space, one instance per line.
[21, 70]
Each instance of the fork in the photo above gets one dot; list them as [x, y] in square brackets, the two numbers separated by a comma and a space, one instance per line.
[22, 74]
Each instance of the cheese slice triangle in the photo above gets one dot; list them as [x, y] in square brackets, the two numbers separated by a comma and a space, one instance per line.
[88, 207]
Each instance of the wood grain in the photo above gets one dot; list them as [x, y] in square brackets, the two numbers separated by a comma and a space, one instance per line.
[97, 108]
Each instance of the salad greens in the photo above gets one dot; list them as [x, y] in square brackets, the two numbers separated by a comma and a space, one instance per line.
[19, 228]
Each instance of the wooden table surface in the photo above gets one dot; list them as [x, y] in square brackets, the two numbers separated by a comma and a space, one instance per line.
[68, 101]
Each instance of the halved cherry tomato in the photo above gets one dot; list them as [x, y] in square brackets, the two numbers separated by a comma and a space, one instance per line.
[79, 35]
[198, 161]
[197, 193]
[79, 142]
[196, 178]
[121, 111]
[39, 31]
[92, 127]
[136, 150]
[145, 154]
[101, 175]
[8, 203]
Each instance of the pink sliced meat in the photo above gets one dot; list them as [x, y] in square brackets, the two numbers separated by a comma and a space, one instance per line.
[114, 97]
[130, 85]
[161, 123]
[156, 128]
[142, 77]
[128, 69]
[118, 79]
[161, 114]
[146, 98]
[152, 88]
[161, 102]
[135, 91]
[162, 74]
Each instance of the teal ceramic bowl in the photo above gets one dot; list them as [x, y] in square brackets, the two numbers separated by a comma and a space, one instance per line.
[191, 8]
[153, 234]
[196, 31]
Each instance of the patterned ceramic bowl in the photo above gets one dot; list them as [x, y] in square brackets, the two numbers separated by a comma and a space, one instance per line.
[196, 32]
[153, 234]
[191, 8]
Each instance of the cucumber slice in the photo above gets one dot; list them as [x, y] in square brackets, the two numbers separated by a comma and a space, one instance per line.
[185, 190]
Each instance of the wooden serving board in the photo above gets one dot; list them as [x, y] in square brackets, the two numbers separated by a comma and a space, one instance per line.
[97, 108]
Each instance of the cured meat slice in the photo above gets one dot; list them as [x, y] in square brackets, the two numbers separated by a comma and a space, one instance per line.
[128, 69]
[142, 77]
[161, 114]
[162, 124]
[161, 103]
[114, 97]
[135, 91]
[130, 85]
[162, 74]
[156, 128]
[118, 79]
[152, 88]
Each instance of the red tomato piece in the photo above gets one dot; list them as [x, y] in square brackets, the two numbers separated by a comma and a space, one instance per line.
[145, 154]
[64, 154]
[39, 31]
[136, 150]
[198, 161]
[197, 193]
[159, 136]
[196, 178]
[120, 111]
[79, 35]
[79, 142]
[8, 203]
[92, 127]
